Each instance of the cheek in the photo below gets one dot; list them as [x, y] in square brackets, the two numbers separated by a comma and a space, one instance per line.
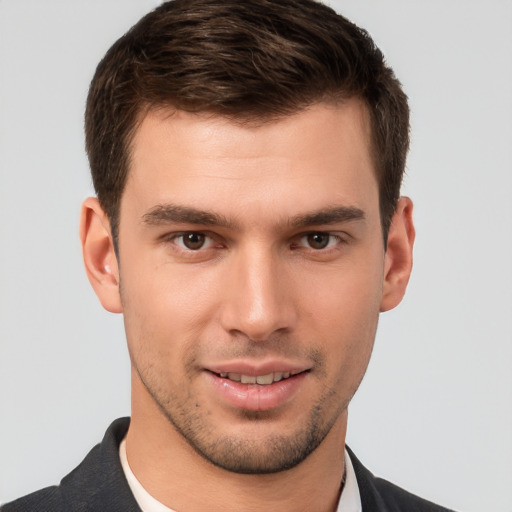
[159, 291]
[347, 294]
[343, 314]
[165, 309]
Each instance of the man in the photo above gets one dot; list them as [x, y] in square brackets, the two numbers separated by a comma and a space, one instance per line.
[247, 158]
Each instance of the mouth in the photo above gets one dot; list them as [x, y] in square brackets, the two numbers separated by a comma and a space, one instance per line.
[253, 389]
[261, 380]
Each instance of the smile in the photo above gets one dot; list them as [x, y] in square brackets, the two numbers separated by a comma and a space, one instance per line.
[260, 391]
[262, 380]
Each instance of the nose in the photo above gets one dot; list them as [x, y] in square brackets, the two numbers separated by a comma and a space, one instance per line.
[258, 296]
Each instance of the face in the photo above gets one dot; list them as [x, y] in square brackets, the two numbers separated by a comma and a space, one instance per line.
[251, 277]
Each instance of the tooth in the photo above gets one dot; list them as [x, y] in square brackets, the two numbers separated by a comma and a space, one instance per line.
[234, 376]
[278, 376]
[265, 379]
[223, 374]
[247, 379]
[286, 375]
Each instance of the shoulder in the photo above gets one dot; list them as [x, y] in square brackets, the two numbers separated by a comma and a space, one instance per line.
[399, 499]
[44, 500]
[97, 484]
[380, 495]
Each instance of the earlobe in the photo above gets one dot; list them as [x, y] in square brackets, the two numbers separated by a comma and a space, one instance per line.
[398, 258]
[99, 255]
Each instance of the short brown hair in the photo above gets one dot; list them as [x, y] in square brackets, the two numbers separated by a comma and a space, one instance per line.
[250, 60]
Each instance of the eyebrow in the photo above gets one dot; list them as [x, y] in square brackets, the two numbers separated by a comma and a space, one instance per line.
[169, 213]
[332, 215]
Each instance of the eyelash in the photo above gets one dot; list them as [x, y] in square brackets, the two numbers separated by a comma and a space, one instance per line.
[338, 239]
[175, 237]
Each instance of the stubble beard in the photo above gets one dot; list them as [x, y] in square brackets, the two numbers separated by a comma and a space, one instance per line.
[241, 454]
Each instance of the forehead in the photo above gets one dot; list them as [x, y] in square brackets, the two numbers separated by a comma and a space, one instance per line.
[318, 156]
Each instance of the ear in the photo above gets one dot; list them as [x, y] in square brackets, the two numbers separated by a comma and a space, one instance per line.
[398, 257]
[99, 255]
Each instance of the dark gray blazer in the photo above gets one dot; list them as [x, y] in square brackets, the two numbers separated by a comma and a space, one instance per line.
[98, 484]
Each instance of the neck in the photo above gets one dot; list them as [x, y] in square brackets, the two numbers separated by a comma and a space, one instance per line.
[177, 476]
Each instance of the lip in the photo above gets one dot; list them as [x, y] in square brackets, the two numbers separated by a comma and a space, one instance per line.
[256, 397]
[246, 368]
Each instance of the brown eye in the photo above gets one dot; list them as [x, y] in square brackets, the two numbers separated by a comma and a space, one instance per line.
[193, 241]
[318, 240]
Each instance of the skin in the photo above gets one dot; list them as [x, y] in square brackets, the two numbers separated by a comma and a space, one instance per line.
[261, 290]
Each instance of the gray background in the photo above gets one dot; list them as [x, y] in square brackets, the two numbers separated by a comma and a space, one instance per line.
[434, 413]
